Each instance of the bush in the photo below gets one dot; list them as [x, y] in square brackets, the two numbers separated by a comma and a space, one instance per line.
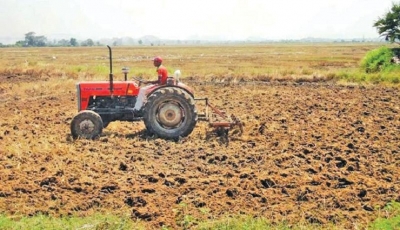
[377, 60]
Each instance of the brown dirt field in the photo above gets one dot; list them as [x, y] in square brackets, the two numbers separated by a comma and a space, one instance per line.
[318, 153]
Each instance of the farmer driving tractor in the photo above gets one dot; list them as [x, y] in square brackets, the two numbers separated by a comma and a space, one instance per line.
[162, 73]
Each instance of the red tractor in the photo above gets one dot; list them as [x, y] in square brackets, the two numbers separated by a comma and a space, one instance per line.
[169, 111]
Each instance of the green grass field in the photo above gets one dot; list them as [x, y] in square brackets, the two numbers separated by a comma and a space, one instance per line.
[390, 220]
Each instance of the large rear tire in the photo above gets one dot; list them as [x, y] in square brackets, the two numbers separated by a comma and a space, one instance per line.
[170, 113]
[86, 124]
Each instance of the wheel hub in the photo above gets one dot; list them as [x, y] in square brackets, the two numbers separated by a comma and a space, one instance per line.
[86, 126]
[170, 115]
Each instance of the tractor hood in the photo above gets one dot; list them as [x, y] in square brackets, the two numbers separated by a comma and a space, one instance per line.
[102, 88]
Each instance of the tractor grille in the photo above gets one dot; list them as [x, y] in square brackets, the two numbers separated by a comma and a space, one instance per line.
[78, 92]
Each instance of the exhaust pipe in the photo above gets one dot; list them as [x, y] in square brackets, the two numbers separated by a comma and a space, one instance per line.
[111, 74]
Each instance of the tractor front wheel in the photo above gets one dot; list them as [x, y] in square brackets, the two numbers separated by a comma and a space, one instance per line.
[170, 113]
[86, 124]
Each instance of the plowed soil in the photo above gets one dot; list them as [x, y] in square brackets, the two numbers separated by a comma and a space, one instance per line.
[320, 153]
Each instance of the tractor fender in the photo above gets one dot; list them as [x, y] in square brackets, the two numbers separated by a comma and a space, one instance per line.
[180, 85]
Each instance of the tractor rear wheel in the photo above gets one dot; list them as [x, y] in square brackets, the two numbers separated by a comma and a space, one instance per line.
[170, 113]
[86, 124]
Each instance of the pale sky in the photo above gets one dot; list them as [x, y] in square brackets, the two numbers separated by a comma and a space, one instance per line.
[183, 19]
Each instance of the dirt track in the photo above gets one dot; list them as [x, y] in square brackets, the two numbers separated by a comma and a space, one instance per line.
[315, 153]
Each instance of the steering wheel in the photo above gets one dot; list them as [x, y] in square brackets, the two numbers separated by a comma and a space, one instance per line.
[138, 79]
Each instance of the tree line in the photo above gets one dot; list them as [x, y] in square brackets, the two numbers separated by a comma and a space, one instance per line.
[31, 40]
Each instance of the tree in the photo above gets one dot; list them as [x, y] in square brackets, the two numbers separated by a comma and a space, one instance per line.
[32, 40]
[40, 41]
[388, 26]
[88, 42]
[73, 42]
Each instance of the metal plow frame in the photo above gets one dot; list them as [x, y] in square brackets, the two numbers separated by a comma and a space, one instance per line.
[221, 126]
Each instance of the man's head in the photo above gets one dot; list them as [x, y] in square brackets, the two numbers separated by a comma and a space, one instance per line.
[157, 61]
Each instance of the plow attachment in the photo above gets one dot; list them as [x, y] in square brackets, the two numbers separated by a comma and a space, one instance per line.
[217, 119]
